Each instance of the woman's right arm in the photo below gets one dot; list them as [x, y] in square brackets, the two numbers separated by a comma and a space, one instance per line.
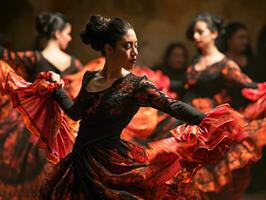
[70, 107]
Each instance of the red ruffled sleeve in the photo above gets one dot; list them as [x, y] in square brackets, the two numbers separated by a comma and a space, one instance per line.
[208, 142]
[40, 112]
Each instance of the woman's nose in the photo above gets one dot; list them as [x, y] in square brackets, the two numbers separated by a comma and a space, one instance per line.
[195, 35]
[134, 51]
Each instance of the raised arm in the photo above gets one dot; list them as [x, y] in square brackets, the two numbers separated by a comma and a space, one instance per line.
[70, 107]
[233, 75]
[148, 95]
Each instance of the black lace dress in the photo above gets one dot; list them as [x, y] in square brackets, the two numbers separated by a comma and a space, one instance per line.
[102, 166]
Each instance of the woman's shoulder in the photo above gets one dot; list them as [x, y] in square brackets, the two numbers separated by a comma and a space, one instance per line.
[229, 63]
[137, 78]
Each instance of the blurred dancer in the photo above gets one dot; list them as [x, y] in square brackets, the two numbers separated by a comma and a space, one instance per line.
[210, 80]
[174, 65]
[23, 164]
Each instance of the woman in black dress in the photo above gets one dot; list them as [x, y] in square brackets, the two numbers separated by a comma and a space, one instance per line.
[101, 165]
[213, 79]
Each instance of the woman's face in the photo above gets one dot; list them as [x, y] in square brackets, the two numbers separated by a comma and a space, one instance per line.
[176, 59]
[63, 37]
[202, 35]
[125, 51]
[238, 41]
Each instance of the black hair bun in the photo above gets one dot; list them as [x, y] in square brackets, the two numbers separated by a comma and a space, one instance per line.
[43, 23]
[94, 32]
[47, 23]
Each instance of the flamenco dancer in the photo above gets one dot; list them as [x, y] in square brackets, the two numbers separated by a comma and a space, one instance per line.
[212, 79]
[101, 165]
[22, 164]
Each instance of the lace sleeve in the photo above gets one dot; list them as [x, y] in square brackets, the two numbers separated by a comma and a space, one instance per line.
[148, 95]
[233, 75]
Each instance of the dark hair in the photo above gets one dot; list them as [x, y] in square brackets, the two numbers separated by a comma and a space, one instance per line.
[100, 31]
[230, 29]
[47, 23]
[170, 49]
[213, 22]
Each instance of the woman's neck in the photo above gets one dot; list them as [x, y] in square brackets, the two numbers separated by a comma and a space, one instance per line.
[111, 71]
[208, 56]
[52, 47]
[209, 51]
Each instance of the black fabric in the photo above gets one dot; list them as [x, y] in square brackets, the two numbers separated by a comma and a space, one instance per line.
[106, 113]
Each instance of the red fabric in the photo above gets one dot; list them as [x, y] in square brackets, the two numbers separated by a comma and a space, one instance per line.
[207, 142]
[202, 104]
[43, 116]
[197, 146]
[256, 109]
[190, 147]
[230, 176]
[145, 121]
[161, 81]
[142, 124]
[73, 81]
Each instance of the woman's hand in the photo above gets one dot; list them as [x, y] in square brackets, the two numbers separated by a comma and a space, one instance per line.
[56, 78]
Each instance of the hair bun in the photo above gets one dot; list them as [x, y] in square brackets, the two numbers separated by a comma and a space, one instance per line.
[43, 22]
[94, 32]
[47, 23]
[100, 31]
[219, 23]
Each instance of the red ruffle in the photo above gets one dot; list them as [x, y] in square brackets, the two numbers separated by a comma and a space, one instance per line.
[230, 176]
[208, 142]
[40, 112]
[257, 109]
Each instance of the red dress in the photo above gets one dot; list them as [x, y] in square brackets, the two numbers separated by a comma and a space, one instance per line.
[23, 165]
[219, 83]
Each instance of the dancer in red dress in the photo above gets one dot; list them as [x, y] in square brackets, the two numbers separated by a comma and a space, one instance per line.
[212, 80]
[22, 164]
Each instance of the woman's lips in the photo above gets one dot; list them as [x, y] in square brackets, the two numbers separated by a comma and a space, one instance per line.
[133, 61]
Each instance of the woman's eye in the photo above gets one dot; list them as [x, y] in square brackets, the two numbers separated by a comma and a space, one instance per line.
[127, 46]
[201, 31]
